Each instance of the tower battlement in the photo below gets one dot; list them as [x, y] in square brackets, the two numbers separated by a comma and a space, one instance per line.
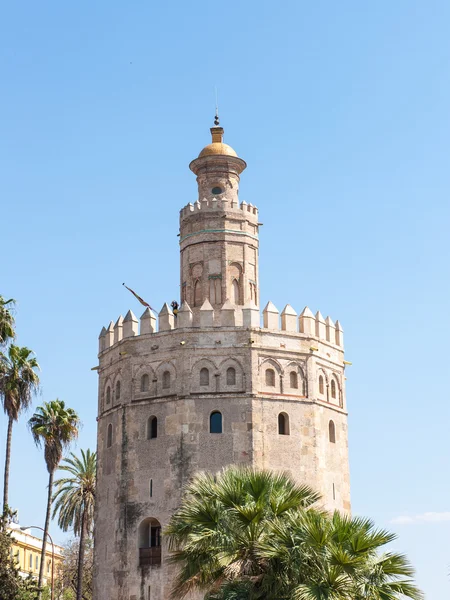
[306, 325]
[212, 204]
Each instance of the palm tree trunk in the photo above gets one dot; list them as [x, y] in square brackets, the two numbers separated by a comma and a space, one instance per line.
[7, 461]
[44, 541]
[81, 558]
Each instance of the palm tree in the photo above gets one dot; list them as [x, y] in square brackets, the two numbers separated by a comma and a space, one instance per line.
[18, 382]
[215, 534]
[246, 535]
[54, 426]
[74, 501]
[6, 320]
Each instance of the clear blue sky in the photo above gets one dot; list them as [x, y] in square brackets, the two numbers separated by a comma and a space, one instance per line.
[341, 110]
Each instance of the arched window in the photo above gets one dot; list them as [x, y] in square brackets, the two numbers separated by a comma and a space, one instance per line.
[332, 432]
[149, 542]
[215, 291]
[109, 436]
[235, 292]
[108, 395]
[283, 424]
[321, 386]
[197, 293]
[166, 380]
[151, 488]
[231, 376]
[117, 390]
[144, 383]
[293, 379]
[204, 377]
[333, 388]
[270, 377]
[215, 422]
[152, 428]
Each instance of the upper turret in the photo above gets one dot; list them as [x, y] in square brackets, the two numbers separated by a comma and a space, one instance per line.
[218, 233]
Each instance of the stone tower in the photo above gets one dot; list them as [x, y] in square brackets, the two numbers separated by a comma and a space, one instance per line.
[209, 387]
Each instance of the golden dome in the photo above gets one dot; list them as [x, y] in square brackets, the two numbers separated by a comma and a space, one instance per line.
[217, 148]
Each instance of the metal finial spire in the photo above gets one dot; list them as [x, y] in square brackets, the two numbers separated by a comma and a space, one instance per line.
[216, 117]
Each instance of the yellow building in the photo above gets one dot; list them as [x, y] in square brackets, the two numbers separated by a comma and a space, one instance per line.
[27, 549]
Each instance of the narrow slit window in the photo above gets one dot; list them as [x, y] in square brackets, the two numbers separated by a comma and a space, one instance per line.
[293, 377]
[332, 432]
[166, 380]
[236, 292]
[117, 390]
[270, 377]
[109, 436]
[215, 422]
[283, 424]
[151, 488]
[197, 293]
[231, 376]
[108, 395]
[152, 428]
[145, 383]
[321, 386]
[204, 377]
[333, 388]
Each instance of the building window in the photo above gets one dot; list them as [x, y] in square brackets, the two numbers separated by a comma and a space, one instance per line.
[333, 388]
[117, 390]
[235, 292]
[151, 488]
[109, 436]
[30, 562]
[144, 383]
[283, 424]
[293, 378]
[166, 380]
[321, 386]
[108, 395]
[231, 376]
[49, 564]
[332, 432]
[204, 377]
[36, 563]
[215, 290]
[270, 377]
[149, 543]
[215, 422]
[152, 428]
[197, 293]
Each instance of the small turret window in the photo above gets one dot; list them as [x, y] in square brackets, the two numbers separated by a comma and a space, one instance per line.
[166, 380]
[108, 395]
[270, 377]
[217, 190]
[293, 378]
[332, 432]
[117, 390]
[321, 386]
[144, 383]
[204, 377]
[231, 376]
[215, 422]
[333, 388]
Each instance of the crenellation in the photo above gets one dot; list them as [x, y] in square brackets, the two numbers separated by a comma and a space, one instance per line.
[271, 316]
[101, 340]
[130, 325]
[321, 329]
[109, 339]
[307, 322]
[118, 327]
[166, 318]
[289, 319]
[206, 314]
[184, 316]
[148, 321]
[330, 330]
[228, 315]
[339, 332]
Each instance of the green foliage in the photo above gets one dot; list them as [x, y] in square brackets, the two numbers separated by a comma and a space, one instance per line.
[248, 535]
[12, 585]
[6, 320]
[55, 427]
[18, 380]
[75, 495]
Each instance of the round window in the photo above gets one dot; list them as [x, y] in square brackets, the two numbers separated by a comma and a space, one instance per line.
[217, 190]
